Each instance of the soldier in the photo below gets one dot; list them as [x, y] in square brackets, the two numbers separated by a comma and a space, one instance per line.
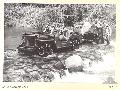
[86, 26]
[47, 30]
[62, 37]
[107, 35]
[52, 29]
[99, 29]
[67, 32]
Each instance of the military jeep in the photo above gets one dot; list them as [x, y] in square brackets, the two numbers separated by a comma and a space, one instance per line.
[37, 43]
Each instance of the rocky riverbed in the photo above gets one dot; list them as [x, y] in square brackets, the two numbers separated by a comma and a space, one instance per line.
[98, 63]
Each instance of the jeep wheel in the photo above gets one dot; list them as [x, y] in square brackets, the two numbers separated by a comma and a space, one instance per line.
[41, 52]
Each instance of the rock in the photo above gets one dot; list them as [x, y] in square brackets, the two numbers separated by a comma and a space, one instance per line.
[35, 68]
[28, 69]
[73, 61]
[47, 66]
[48, 77]
[9, 54]
[8, 64]
[59, 65]
[6, 78]
[15, 75]
[19, 72]
[21, 60]
[26, 78]
[75, 69]
[18, 64]
[16, 78]
[10, 70]
[35, 76]
[42, 71]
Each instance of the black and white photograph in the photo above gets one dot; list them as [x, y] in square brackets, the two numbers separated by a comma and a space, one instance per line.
[59, 43]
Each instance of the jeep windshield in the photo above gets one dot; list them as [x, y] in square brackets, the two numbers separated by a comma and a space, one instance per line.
[29, 40]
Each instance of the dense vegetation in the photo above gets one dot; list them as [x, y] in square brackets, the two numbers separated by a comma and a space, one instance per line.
[38, 15]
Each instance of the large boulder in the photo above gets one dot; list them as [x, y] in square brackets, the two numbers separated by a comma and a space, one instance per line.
[74, 60]
[74, 63]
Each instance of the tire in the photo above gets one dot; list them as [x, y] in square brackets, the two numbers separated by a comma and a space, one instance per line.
[41, 52]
